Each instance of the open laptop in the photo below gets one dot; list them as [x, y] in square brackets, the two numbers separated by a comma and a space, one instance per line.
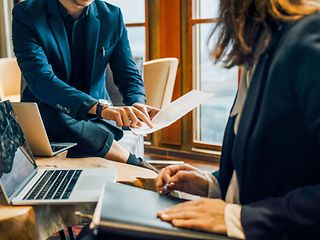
[23, 183]
[31, 123]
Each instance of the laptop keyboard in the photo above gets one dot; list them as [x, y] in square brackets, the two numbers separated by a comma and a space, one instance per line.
[57, 148]
[54, 184]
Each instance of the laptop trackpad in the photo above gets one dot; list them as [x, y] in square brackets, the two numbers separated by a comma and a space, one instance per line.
[90, 183]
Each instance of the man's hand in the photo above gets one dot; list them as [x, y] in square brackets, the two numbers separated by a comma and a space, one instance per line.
[184, 178]
[203, 214]
[147, 110]
[126, 116]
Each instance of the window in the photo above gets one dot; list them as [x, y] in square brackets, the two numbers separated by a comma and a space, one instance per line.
[210, 118]
[181, 29]
[134, 14]
[6, 49]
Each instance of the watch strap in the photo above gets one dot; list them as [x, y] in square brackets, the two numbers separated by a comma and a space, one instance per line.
[99, 109]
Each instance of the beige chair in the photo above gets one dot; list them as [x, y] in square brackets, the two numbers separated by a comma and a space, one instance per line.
[159, 78]
[10, 79]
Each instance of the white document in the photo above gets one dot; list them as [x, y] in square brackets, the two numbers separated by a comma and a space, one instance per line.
[173, 111]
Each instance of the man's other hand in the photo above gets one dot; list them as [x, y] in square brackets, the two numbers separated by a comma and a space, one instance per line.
[147, 110]
[128, 116]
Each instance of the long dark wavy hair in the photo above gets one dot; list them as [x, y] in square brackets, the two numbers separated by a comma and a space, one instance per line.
[244, 29]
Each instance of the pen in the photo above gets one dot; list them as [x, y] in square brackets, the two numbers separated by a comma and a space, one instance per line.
[83, 215]
[103, 51]
[165, 189]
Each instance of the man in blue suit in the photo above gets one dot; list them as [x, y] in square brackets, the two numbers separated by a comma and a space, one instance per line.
[62, 48]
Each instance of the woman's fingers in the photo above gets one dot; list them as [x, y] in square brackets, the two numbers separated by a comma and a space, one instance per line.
[191, 218]
[169, 216]
[163, 178]
[183, 206]
[166, 174]
[188, 223]
[173, 174]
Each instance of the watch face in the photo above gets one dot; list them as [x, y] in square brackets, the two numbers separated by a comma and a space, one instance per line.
[105, 102]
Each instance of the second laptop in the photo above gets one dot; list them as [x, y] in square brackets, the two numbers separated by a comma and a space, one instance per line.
[31, 123]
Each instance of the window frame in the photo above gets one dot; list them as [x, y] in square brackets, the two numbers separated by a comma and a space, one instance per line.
[189, 22]
[144, 24]
[177, 140]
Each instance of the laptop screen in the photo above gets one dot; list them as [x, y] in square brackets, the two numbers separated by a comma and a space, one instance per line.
[16, 162]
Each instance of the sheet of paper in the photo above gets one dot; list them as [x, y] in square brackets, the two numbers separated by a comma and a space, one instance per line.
[173, 111]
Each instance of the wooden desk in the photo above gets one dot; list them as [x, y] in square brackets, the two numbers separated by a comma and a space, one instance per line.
[16, 222]
[50, 219]
[126, 173]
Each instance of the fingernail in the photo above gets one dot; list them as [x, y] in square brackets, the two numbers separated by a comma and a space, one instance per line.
[164, 216]
[159, 214]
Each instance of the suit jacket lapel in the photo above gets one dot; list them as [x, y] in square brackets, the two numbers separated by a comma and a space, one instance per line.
[92, 37]
[249, 114]
[59, 32]
[251, 108]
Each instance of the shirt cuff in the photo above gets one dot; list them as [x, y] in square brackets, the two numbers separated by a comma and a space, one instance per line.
[84, 109]
[232, 216]
[214, 187]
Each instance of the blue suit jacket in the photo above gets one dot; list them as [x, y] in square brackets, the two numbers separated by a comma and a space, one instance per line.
[42, 49]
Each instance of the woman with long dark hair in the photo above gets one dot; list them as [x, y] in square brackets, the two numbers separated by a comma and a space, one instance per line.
[268, 185]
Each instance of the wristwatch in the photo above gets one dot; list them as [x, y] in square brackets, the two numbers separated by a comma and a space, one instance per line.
[102, 104]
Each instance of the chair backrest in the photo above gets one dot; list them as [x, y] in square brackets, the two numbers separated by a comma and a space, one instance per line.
[159, 79]
[112, 89]
[10, 79]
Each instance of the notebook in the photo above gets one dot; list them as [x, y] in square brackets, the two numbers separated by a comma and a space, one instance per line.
[130, 212]
[31, 123]
[23, 183]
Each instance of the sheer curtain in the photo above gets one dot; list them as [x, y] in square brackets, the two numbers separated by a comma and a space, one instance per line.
[5, 28]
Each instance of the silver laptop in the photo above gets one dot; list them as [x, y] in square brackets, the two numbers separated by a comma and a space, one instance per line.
[31, 123]
[23, 183]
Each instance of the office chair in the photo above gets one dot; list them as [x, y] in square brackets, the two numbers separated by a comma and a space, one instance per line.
[159, 78]
[10, 79]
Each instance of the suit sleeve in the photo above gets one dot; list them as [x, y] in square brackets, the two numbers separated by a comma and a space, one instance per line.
[125, 72]
[216, 175]
[38, 72]
[299, 209]
[269, 218]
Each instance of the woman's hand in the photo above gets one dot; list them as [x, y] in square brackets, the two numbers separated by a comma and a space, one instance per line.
[184, 178]
[203, 214]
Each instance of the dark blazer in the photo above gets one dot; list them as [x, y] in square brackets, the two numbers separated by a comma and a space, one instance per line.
[276, 152]
[42, 50]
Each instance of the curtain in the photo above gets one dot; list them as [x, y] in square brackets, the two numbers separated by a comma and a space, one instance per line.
[5, 28]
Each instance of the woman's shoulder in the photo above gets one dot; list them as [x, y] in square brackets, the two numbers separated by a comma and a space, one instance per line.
[304, 31]
[307, 23]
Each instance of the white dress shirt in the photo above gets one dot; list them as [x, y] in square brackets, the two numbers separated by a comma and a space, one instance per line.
[233, 208]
